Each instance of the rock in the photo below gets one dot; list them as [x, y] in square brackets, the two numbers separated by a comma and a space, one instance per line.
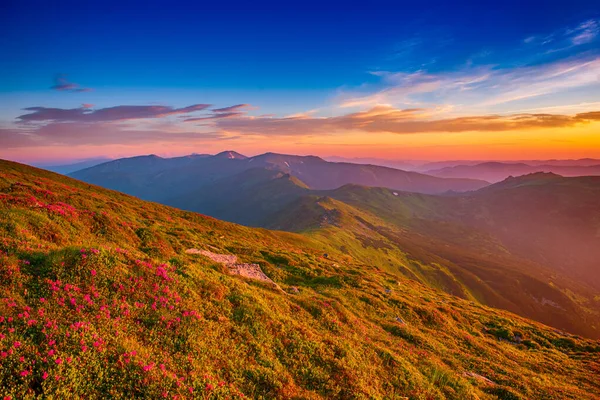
[480, 378]
[252, 271]
[220, 258]
[518, 338]
[398, 319]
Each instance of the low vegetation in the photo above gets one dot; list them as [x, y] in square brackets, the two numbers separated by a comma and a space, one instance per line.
[99, 299]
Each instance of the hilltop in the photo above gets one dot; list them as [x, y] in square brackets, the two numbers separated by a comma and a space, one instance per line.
[102, 297]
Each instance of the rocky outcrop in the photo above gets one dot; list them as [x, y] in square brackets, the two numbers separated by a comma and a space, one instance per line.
[251, 271]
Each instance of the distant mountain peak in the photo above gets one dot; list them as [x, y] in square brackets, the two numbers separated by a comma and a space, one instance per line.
[534, 176]
[271, 155]
[232, 155]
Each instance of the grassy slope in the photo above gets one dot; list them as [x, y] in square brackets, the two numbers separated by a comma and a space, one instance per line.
[98, 299]
[411, 234]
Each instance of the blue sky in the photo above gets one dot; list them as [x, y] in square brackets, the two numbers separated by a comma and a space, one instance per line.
[287, 59]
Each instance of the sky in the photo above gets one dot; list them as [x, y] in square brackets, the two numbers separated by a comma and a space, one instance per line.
[395, 80]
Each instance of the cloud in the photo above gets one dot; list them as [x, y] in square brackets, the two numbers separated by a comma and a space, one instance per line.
[225, 112]
[61, 83]
[399, 121]
[584, 33]
[96, 134]
[483, 88]
[567, 38]
[235, 108]
[589, 116]
[221, 115]
[117, 113]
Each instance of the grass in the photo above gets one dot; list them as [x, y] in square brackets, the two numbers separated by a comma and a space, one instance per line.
[98, 299]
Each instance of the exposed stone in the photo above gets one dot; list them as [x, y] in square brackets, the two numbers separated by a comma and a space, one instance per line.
[480, 378]
[251, 271]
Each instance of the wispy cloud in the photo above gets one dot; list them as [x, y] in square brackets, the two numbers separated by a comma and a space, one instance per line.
[584, 33]
[224, 112]
[566, 39]
[97, 134]
[61, 83]
[235, 108]
[117, 113]
[481, 88]
[387, 119]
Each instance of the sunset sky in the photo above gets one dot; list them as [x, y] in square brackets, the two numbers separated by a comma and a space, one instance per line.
[390, 80]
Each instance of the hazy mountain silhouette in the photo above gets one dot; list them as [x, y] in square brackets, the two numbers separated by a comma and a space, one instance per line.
[497, 171]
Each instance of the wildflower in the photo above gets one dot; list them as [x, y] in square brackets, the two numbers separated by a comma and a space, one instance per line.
[17, 344]
[24, 373]
[58, 361]
[209, 387]
[42, 300]
[51, 352]
[93, 272]
[44, 375]
[148, 367]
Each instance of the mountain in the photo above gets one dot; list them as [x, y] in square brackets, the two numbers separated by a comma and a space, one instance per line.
[105, 295]
[68, 168]
[159, 179]
[524, 245]
[398, 164]
[438, 165]
[498, 249]
[466, 244]
[498, 171]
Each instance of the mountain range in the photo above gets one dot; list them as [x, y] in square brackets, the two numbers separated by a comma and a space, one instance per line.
[498, 171]
[528, 244]
[154, 178]
[106, 295]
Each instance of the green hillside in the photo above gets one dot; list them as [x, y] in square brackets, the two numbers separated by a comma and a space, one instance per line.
[529, 245]
[99, 299]
[433, 240]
